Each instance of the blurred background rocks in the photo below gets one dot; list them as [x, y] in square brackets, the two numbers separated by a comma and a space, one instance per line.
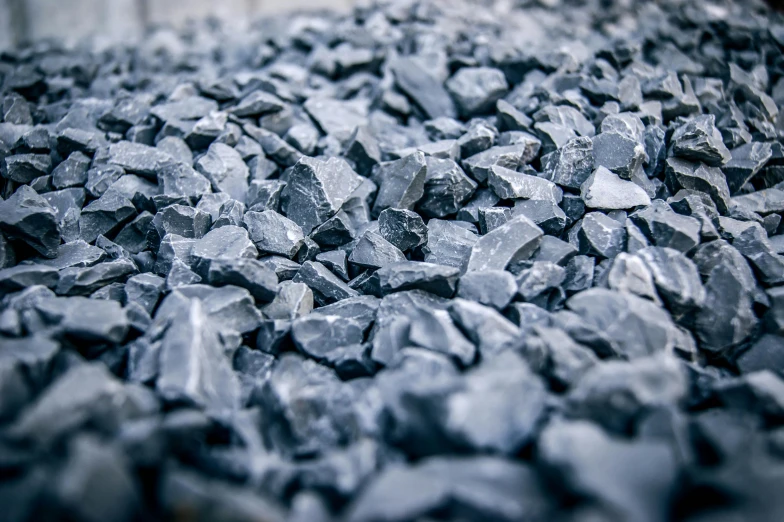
[112, 21]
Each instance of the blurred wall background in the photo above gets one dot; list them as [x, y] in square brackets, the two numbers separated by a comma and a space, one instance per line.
[116, 20]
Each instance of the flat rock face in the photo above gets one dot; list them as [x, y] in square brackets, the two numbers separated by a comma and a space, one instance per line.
[316, 190]
[503, 261]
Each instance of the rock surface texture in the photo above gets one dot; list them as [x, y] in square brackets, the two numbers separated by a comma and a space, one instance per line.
[427, 261]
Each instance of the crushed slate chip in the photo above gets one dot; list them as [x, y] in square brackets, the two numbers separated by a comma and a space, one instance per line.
[500, 261]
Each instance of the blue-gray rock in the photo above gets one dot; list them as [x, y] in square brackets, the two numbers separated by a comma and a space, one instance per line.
[514, 241]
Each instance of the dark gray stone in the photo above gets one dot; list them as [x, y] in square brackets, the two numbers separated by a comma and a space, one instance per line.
[327, 287]
[273, 233]
[606, 191]
[105, 216]
[745, 162]
[438, 280]
[682, 174]
[509, 184]
[227, 242]
[179, 179]
[26, 216]
[446, 188]
[423, 88]
[601, 235]
[700, 140]
[494, 288]
[20, 277]
[401, 183]
[618, 153]
[570, 165]
[24, 168]
[510, 157]
[514, 241]
[373, 251]
[632, 326]
[137, 158]
[476, 89]
[249, 274]
[223, 166]
[75, 254]
[316, 190]
[448, 244]
[193, 367]
[403, 228]
[665, 228]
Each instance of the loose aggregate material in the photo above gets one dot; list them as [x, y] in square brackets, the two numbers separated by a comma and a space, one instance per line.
[476, 261]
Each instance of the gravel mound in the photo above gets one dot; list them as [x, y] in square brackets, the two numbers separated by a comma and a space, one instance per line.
[486, 261]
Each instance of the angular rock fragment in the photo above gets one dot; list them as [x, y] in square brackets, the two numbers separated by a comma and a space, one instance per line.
[317, 335]
[316, 190]
[227, 242]
[72, 172]
[223, 166]
[28, 217]
[606, 191]
[446, 188]
[363, 150]
[403, 228]
[85, 393]
[20, 277]
[257, 103]
[601, 235]
[232, 308]
[327, 287]
[476, 89]
[273, 233]
[24, 168]
[508, 184]
[619, 153]
[753, 243]
[630, 274]
[539, 282]
[665, 228]
[137, 158]
[494, 288]
[492, 218]
[546, 214]
[74, 254]
[632, 326]
[178, 179]
[422, 87]
[514, 241]
[105, 216]
[193, 367]
[338, 118]
[435, 330]
[710, 180]
[490, 331]
[700, 140]
[144, 289]
[448, 244]
[400, 183]
[745, 162]
[85, 281]
[373, 251]
[510, 157]
[249, 274]
[291, 300]
[458, 486]
[676, 278]
[438, 280]
[574, 450]
[184, 221]
[570, 165]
